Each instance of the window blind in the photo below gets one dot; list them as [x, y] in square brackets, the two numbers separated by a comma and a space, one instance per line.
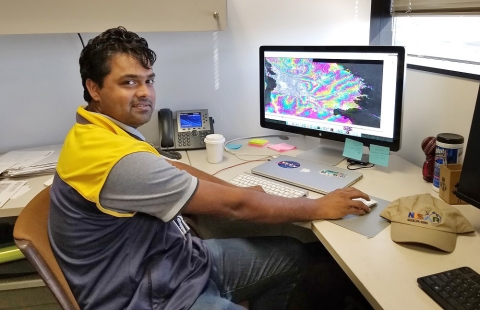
[435, 7]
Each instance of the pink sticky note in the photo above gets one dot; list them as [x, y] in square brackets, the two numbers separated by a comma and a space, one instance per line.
[281, 147]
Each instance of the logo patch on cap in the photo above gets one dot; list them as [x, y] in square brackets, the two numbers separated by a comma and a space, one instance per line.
[425, 217]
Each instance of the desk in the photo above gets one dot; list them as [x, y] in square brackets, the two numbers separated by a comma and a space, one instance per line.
[13, 207]
[385, 272]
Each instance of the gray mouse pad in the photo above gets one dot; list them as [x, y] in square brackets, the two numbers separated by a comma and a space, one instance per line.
[369, 224]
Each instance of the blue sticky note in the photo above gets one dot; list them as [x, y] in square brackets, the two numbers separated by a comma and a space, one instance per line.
[353, 149]
[379, 155]
[233, 146]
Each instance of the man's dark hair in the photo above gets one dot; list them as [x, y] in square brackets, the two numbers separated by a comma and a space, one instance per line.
[96, 55]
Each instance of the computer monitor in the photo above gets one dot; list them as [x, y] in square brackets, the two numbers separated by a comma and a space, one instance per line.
[469, 184]
[333, 93]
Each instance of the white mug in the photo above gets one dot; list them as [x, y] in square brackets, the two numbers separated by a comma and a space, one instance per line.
[214, 144]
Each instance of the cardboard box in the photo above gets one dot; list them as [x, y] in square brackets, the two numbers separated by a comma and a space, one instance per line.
[449, 177]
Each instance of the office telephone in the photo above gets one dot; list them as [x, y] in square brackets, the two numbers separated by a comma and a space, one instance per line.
[186, 131]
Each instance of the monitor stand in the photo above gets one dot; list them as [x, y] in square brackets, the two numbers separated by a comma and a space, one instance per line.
[329, 152]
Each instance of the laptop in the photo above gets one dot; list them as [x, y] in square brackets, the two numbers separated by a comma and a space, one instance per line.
[307, 174]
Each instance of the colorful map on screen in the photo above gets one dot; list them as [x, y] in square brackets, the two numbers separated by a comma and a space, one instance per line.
[331, 91]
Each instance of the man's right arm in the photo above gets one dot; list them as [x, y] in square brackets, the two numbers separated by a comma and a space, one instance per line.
[144, 182]
[247, 204]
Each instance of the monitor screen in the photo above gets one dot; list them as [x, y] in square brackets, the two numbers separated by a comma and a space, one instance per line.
[334, 92]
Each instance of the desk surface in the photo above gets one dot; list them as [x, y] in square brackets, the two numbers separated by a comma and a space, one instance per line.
[384, 271]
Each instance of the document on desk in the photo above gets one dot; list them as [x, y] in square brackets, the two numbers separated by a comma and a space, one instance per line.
[28, 162]
[25, 188]
[48, 182]
[24, 158]
[8, 189]
[5, 165]
[369, 224]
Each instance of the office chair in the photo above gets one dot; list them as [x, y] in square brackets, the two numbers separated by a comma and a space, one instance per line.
[31, 236]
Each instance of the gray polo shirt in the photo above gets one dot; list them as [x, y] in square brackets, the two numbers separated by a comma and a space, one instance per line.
[147, 261]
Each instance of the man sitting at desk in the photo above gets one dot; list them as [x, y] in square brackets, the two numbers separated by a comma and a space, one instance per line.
[115, 224]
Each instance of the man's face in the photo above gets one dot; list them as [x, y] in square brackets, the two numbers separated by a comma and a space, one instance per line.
[128, 94]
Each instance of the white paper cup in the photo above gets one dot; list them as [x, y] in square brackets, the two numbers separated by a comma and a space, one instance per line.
[214, 144]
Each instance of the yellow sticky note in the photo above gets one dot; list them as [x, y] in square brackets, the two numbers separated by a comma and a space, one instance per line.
[258, 142]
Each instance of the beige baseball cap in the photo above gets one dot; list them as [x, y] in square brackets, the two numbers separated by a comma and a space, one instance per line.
[427, 220]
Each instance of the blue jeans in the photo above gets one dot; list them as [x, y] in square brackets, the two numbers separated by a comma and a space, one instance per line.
[262, 270]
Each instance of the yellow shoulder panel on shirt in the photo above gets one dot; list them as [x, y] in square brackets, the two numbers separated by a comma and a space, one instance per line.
[89, 153]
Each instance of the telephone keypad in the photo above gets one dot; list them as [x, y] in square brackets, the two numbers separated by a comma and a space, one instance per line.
[203, 134]
[184, 139]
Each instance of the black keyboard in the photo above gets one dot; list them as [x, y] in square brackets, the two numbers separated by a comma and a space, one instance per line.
[453, 289]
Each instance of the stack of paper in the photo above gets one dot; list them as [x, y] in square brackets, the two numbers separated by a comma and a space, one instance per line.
[26, 163]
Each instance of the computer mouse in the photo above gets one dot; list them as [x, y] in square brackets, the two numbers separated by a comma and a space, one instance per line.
[370, 203]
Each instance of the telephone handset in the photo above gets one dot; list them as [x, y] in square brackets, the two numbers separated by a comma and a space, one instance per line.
[186, 131]
[165, 120]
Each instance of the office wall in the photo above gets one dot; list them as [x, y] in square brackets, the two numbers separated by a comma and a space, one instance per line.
[433, 104]
[40, 86]
[39, 89]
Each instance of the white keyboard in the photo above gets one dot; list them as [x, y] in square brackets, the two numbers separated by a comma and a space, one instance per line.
[269, 186]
